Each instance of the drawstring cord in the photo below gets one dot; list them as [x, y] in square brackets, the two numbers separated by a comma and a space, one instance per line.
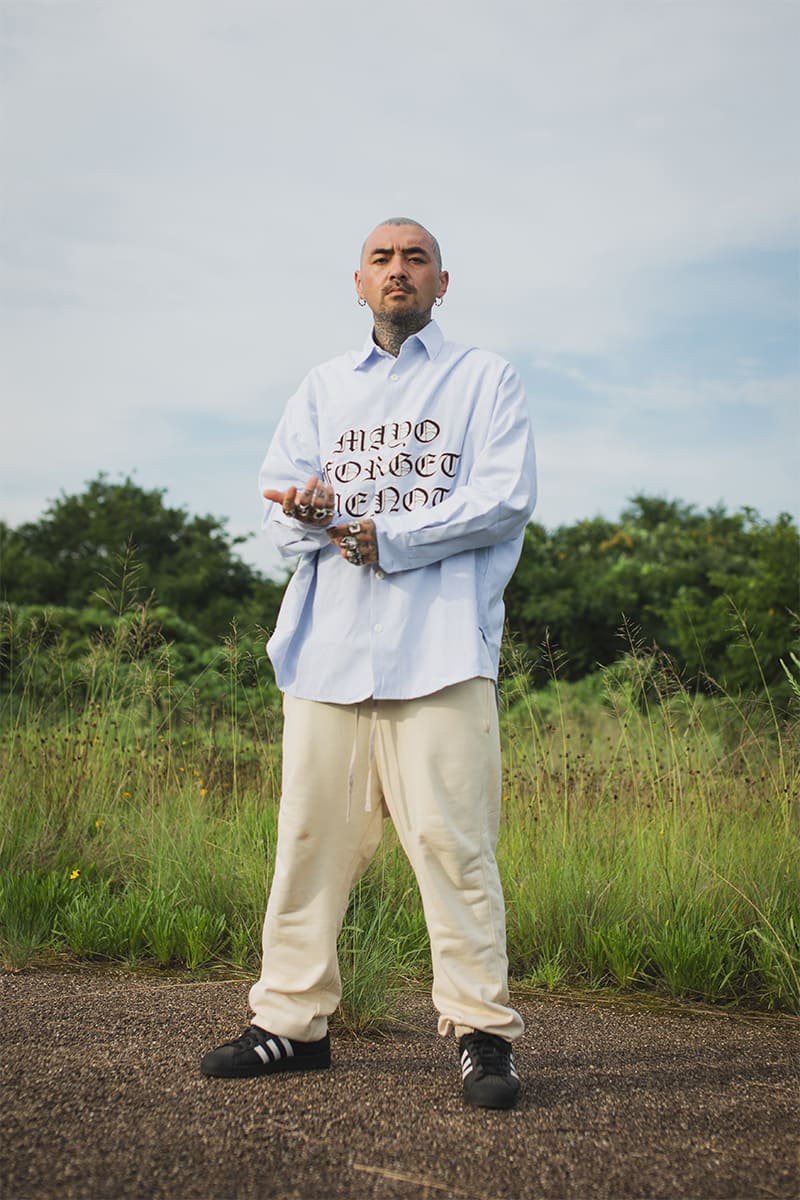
[371, 752]
[351, 770]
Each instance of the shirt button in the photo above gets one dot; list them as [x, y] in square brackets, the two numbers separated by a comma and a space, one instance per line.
[378, 628]
[380, 574]
[394, 378]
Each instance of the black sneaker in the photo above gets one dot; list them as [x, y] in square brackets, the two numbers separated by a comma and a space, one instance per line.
[258, 1052]
[487, 1071]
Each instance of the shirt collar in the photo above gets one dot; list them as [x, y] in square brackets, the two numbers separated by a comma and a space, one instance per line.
[430, 337]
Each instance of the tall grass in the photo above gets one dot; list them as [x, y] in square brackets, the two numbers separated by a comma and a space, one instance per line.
[649, 842]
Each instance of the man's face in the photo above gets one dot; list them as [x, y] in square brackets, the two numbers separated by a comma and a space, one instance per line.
[399, 275]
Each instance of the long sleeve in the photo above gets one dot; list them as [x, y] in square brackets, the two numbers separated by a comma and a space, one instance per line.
[492, 505]
[292, 458]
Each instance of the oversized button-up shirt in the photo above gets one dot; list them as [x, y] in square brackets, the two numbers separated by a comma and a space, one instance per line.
[435, 446]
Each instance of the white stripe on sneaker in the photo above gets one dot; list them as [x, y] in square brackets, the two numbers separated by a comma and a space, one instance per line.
[261, 1052]
[287, 1045]
[275, 1050]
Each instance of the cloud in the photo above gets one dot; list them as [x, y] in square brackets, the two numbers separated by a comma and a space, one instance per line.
[707, 441]
[187, 185]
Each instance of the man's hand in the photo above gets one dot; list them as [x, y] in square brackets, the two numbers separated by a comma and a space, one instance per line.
[357, 542]
[314, 505]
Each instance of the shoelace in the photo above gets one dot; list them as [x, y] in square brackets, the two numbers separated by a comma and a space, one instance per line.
[254, 1036]
[489, 1055]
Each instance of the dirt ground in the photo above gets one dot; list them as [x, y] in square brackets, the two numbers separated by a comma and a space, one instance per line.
[102, 1098]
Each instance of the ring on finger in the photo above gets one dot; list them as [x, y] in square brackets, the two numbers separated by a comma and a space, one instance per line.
[354, 527]
[303, 510]
[289, 510]
[354, 557]
[350, 543]
[322, 514]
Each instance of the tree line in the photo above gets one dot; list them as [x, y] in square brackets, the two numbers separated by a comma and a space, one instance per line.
[716, 591]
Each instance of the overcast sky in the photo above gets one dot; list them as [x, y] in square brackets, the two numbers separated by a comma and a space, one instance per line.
[186, 185]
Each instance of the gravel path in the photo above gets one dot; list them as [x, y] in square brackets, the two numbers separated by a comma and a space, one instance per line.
[102, 1098]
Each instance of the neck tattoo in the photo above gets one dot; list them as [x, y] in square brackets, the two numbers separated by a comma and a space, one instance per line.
[391, 331]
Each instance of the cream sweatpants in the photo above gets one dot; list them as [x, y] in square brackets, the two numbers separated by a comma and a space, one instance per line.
[433, 766]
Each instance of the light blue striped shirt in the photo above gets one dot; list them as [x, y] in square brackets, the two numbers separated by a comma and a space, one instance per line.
[436, 447]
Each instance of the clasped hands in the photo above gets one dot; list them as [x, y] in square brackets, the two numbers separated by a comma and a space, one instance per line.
[314, 505]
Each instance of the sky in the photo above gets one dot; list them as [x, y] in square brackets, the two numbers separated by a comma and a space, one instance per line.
[185, 186]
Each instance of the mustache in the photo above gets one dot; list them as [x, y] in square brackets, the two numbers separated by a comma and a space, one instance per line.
[398, 287]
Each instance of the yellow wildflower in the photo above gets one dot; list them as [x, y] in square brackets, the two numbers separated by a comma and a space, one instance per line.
[74, 874]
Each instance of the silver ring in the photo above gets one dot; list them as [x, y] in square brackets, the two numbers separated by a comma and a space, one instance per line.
[303, 510]
[354, 527]
[350, 543]
[322, 514]
[354, 557]
[290, 512]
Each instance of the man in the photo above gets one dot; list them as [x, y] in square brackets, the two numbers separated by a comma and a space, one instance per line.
[402, 476]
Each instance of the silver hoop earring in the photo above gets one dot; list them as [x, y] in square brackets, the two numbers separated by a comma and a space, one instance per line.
[362, 302]
[439, 301]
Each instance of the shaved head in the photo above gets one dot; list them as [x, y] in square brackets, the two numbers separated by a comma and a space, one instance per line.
[437, 253]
